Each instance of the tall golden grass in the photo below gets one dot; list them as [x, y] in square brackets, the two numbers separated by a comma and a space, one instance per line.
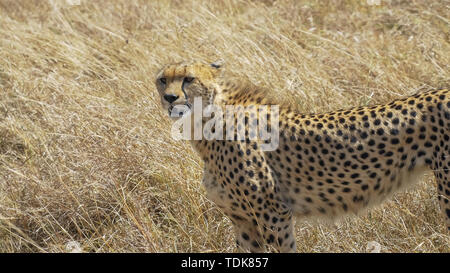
[85, 152]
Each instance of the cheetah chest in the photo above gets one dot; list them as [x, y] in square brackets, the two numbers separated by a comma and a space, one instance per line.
[214, 191]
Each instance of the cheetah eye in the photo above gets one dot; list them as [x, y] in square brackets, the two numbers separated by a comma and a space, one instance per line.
[162, 80]
[188, 79]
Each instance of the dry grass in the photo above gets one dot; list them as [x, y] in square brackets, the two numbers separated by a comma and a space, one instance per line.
[85, 150]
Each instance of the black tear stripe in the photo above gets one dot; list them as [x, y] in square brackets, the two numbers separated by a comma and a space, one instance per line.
[184, 92]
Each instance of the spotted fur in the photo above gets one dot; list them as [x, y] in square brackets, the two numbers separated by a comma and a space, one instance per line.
[326, 165]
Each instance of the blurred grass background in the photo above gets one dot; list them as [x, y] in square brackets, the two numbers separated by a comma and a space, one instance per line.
[85, 150]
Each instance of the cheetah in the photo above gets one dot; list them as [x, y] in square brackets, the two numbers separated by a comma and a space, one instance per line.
[324, 166]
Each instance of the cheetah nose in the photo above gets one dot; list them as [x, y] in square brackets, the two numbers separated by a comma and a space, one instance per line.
[170, 97]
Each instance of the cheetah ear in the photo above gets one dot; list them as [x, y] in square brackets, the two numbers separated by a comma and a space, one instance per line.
[218, 64]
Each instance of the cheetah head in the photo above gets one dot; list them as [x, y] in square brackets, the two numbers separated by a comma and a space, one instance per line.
[178, 84]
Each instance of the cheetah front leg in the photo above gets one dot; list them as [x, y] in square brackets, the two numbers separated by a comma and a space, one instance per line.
[279, 231]
[441, 168]
[248, 237]
[273, 231]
